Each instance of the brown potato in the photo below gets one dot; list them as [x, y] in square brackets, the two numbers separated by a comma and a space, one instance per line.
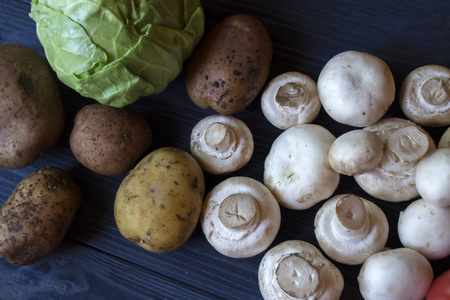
[37, 215]
[31, 111]
[109, 140]
[230, 65]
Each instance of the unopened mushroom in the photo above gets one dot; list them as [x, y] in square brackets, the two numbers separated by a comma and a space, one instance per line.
[356, 88]
[397, 274]
[405, 144]
[433, 177]
[349, 229]
[355, 152]
[425, 96]
[297, 270]
[290, 99]
[424, 227]
[297, 170]
[444, 141]
[221, 144]
[240, 217]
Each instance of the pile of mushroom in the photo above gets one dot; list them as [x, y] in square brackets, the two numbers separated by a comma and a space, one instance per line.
[298, 270]
[349, 229]
[221, 144]
[290, 99]
[391, 159]
[240, 217]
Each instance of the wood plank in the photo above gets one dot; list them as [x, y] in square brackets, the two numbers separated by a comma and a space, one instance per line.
[96, 262]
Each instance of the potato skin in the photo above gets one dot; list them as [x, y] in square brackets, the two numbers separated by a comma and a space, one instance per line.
[37, 215]
[31, 111]
[109, 140]
[230, 65]
[158, 205]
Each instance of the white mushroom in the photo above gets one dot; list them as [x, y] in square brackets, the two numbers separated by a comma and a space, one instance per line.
[240, 217]
[349, 229]
[290, 99]
[297, 170]
[221, 144]
[424, 227]
[444, 141]
[433, 177]
[405, 144]
[397, 274]
[355, 152]
[425, 96]
[356, 88]
[298, 270]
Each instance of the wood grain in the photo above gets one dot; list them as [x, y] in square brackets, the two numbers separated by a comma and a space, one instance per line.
[96, 262]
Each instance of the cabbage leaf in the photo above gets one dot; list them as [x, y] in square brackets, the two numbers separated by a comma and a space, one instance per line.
[116, 51]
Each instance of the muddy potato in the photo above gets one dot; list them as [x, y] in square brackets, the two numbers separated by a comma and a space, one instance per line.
[109, 140]
[31, 111]
[37, 215]
[158, 204]
[230, 65]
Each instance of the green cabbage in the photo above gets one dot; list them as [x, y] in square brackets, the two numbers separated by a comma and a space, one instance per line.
[116, 51]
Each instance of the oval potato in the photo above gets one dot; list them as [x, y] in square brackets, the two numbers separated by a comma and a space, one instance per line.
[31, 111]
[37, 215]
[230, 65]
[109, 140]
[158, 204]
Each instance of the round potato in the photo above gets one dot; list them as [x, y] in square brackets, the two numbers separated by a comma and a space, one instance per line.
[230, 65]
[109, 140]
[37, 215]
[31, 111]
[158, 204]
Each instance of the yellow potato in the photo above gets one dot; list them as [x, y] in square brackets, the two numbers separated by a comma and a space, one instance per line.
[158, 204]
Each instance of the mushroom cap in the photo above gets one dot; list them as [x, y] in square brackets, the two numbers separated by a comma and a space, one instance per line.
[424, 227]
[298, 270]
[365, 241]
[396, 274]
[425, 96]
[297, 170]
[405, 143]
[355, 152]
[290, 99]
[444, 141]
[221, 144]
[433, 177]
[356, 88]
[240, 217]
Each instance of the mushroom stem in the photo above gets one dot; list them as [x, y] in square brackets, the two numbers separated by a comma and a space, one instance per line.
[238, 212]
[436, 91]
[351, 217]
[297, 277]
[292, 97]
[219, 140]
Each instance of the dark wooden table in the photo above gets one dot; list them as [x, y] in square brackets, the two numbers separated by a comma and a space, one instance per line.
[96, 262]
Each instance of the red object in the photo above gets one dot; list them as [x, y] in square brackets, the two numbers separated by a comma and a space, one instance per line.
[440, 288]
